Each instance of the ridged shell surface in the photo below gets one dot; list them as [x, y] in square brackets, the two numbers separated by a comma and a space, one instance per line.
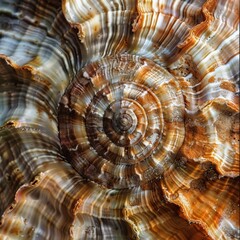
[119, 119]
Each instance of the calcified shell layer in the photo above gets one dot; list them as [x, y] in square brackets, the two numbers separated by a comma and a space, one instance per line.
[119, 119]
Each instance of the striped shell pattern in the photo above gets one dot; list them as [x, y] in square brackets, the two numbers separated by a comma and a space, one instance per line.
[119, 119]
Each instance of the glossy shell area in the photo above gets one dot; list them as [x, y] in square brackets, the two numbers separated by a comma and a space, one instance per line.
[119, 119]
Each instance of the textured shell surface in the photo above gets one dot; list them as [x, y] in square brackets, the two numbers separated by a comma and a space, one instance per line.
[119, 119]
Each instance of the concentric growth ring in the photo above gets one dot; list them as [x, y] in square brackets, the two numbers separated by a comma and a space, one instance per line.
[124, 122]
[120, 121]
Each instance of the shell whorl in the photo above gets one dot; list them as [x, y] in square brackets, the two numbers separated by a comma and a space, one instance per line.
[119, 119]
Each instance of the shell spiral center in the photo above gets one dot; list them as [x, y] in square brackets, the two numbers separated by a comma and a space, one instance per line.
[121, 120]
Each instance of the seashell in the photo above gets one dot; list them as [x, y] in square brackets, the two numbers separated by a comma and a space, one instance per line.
[119, 119]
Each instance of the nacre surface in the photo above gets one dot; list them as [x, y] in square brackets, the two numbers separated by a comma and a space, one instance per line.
[119, 119]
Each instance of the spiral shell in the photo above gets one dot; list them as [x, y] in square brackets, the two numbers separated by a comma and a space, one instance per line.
[119, 119]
